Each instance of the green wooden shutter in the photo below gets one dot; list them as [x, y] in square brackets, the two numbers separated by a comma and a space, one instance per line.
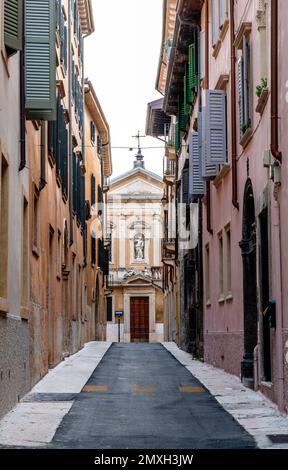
[40, 59]
[177, 136]
[186, 98]
[185, 186]
[74, 183]
[192, 67]
[13, 25]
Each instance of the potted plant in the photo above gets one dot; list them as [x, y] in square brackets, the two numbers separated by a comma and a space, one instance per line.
[261, 86]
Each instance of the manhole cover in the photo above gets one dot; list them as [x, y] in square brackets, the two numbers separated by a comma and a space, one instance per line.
[278, 438]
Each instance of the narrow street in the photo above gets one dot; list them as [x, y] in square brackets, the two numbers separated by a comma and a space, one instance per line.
[143, 299]
[141, 397]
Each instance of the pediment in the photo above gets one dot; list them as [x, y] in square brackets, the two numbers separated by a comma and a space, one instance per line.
[138, 186]
[138, 279]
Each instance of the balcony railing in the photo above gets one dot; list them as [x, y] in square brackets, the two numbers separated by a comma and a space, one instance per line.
[106, 184]
[169, 251]
[169, 171]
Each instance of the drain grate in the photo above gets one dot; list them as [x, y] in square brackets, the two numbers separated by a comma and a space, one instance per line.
[278, 438]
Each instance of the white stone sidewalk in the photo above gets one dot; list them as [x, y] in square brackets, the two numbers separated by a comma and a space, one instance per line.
[258, 415]
[33, 424]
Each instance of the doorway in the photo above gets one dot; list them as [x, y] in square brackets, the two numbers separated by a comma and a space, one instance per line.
[264, 279]
[139, 319]
[248, 248]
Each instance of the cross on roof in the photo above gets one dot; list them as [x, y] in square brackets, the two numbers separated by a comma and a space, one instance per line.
[138, 137]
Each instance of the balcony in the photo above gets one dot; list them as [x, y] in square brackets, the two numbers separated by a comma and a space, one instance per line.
[170, 245]
[169, 252]
[169, 172]
[107, 240]
[106, 184]
[170, 152]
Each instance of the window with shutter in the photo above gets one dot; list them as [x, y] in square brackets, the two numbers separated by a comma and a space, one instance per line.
[93, 249]
[82, 199]
[74, 182]
[93, 190]
[216, 127]
[64, 159]
[244, 88]
[215, 27]
[202, 55]
[185, 186]
[109, 309]
[223, 12]
[186, 93]
[196, 182]
[93, 132]
[61, 34]
[192, 67]
[52, 138]
[100, 253]
[13, 11]
[65, 43]
[40, 60]
[177, 136]
[209, 171]
[246, 82]
[78, 192]
[106, 261]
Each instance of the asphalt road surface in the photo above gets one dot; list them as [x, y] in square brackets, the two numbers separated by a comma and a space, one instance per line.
[141, 397]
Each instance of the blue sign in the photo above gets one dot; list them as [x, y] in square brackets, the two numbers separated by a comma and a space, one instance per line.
[119, 313]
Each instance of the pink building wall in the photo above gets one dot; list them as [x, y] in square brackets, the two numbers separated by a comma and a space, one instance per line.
[283, 193]
[224, 321]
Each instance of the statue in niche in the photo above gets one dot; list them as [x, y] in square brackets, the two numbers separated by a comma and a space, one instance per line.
[139, 247]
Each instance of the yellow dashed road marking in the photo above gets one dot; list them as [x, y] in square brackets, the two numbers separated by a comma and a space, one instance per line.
[95, 388]
[192, 389]
[143, 389]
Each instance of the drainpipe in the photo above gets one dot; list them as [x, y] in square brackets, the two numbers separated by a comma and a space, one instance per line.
[279, 310]
[206, 87]
[207, 45]
[233, 109]
[274, 82]
[22, 99]
[277, 154]
[71, 235]
[42, 182]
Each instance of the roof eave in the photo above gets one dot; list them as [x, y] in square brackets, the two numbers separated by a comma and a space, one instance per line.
[94, 106]
[86, 17]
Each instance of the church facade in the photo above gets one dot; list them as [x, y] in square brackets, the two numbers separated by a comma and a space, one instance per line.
[134, 221]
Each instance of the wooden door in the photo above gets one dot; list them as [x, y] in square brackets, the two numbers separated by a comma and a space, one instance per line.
[139, 319]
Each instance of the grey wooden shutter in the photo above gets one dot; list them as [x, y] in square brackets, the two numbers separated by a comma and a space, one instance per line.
[40, 59]
[13, 11]
[202, 55]
[65, 51]
[196, 182]
[223, 11]
[240, 94]
[246, 80]
[216, 127]
[209, 171]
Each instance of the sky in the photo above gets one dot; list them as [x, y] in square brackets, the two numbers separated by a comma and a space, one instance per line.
[121, 60]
